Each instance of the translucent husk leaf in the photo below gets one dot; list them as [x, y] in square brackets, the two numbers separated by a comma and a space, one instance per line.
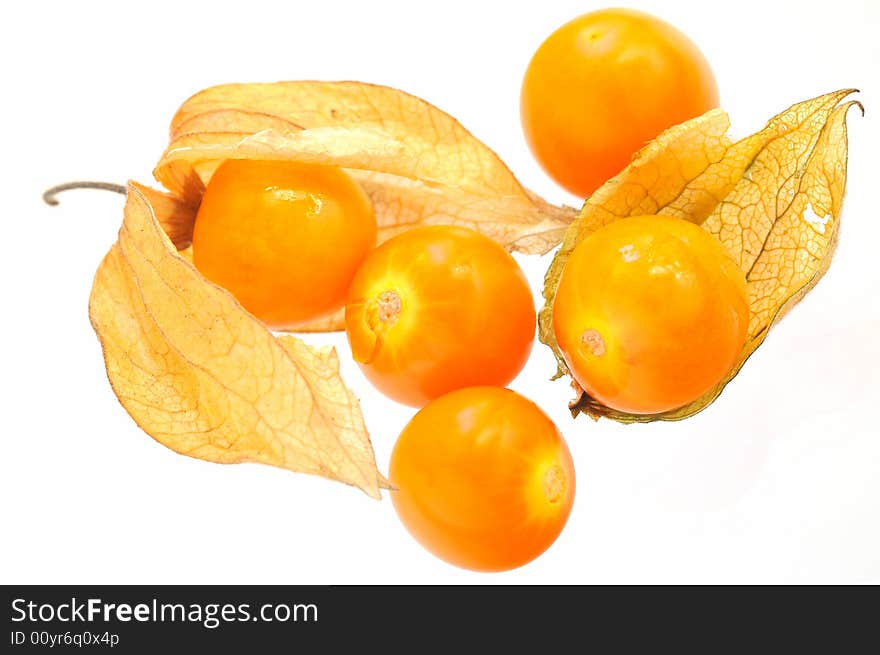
[417, 163]
[206, 379]
[773, 199]
[174, 215]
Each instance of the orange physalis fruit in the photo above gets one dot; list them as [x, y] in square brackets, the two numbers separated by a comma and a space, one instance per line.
[285, 238]
[650, 313]
[602, 86]
[436, 309]
[483, 479]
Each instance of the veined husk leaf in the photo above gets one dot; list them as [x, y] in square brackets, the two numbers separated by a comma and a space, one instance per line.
[773, 199]
[417, 163]
[205, 378]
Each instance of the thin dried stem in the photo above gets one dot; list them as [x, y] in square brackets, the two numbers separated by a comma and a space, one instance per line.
[49, 195]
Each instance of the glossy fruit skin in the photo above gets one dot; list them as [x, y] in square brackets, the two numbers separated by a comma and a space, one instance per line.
[439, 308]
[285, 238]
[651, 312]
[602, 86]
[484, 479]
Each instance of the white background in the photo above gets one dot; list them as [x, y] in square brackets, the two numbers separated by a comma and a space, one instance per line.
[779, 481]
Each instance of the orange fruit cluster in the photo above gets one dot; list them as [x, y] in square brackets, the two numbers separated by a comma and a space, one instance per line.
[650, 312]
